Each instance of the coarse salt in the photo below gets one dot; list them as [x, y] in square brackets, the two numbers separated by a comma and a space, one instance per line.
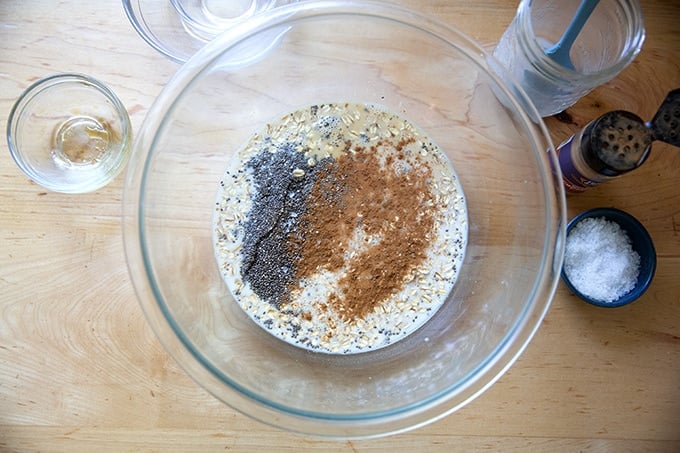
[600, 261]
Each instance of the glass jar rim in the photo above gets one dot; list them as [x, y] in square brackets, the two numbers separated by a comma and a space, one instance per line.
[546, 66]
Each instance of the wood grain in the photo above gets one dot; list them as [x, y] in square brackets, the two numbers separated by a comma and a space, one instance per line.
[80, 370]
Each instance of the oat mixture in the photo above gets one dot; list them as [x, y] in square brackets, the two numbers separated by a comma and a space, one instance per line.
[340, 228]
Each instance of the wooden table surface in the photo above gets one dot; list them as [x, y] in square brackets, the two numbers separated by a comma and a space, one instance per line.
[80, 370]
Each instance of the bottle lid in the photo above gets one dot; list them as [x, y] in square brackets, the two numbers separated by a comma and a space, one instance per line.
[665, 125]
[618, 142]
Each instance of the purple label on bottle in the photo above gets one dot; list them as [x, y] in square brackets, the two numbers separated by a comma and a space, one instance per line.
[573, 180]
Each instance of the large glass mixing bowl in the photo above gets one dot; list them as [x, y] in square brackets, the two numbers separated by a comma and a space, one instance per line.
[329, 52]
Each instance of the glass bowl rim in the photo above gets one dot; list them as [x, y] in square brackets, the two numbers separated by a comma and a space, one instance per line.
[439, 405]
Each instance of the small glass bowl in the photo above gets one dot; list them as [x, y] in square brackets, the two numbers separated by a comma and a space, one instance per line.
[179, 28]
[69, 133]
[641, 242]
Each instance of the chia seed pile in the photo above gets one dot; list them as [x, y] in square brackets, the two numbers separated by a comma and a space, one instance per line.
[340, 228]
[278, 202]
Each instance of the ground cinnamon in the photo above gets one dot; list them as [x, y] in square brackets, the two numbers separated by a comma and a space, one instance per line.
[356, 192]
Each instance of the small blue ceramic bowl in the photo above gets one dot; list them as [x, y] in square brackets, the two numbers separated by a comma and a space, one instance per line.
[641, 242]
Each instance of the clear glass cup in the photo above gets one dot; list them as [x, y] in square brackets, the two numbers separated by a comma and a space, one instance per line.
[179, 28]
[205, 19]
[69, 133]
[609, 41]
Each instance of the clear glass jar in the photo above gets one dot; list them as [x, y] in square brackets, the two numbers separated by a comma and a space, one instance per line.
[609, 41]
